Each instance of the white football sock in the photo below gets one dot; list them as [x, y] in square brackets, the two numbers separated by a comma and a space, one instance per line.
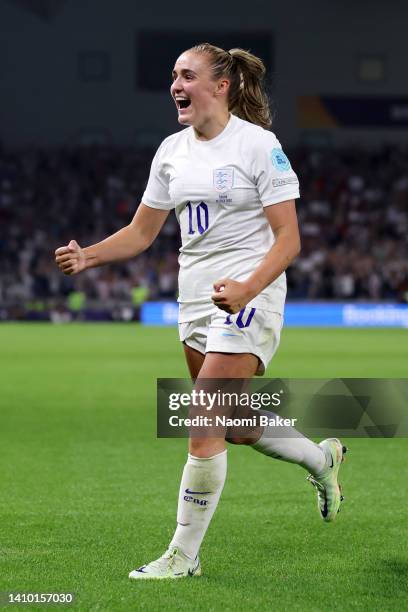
[290, 446]
[200, 490]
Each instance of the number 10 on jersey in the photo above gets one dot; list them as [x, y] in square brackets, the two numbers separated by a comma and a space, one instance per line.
[197, 217]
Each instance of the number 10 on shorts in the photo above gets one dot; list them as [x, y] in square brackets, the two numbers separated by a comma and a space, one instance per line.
[241, 321]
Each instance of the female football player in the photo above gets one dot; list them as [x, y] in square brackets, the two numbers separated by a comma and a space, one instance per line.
[233, 191]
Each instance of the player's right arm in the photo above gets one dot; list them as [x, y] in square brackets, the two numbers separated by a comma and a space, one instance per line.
[124, 244]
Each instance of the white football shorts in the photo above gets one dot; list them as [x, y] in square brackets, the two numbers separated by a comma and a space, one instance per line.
[252, 330]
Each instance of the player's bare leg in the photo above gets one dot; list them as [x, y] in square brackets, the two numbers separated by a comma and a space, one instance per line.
[194, 360]
[203, 476]
[290, 446]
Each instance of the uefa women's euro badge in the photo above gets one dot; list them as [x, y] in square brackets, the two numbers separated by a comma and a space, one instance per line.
[223, 179]
[279, 160]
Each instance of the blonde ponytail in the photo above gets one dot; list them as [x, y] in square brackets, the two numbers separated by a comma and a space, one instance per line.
[247, 97]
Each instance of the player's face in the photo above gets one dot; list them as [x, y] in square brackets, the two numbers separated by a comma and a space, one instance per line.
[193, 89]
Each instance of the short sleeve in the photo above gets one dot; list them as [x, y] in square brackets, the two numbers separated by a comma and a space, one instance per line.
[157, 194]
[275, 180]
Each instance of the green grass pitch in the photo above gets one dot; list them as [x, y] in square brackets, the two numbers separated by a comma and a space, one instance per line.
[88, 493]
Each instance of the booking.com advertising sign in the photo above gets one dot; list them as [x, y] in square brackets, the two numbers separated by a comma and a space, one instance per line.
[304, 315]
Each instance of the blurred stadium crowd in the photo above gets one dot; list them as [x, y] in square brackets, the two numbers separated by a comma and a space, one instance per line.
[353, 216]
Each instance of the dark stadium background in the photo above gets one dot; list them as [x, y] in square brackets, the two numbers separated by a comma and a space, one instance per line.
[87, 491]
[84, 103]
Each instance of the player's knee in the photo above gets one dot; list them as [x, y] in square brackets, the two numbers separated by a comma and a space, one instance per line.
[239, 440]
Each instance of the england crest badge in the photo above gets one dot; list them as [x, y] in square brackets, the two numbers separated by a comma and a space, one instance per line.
[223, 179]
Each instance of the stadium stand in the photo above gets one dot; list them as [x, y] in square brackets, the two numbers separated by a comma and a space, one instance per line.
[353, 218]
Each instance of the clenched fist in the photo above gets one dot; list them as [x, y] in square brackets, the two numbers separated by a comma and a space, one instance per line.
[231, 295]
[70, 259]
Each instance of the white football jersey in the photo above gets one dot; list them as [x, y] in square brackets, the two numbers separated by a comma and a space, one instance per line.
[218, 189]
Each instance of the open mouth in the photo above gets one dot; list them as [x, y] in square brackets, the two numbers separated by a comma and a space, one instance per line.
[182, 103]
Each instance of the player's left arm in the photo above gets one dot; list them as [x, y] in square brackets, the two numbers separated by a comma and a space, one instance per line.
[231, 295]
